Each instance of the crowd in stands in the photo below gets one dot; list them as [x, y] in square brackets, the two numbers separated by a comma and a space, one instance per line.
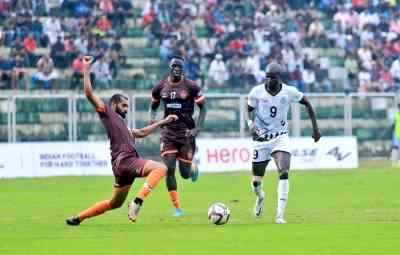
[69, 31]
[244, 36]
[323, 45]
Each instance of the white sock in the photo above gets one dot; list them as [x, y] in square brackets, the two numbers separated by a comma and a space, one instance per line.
[283, 192]
[257, 190]
[395, 156]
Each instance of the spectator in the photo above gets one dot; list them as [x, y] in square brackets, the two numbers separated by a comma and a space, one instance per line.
[52, 29]
[395, 70]
[77, 74]
[58, 54]
[30, 48]
[218, 73]
[81, 44]
[102, 74]
[46, 77]
[364, 80]
[251, 68]
[352, 69]
[12, 72]
[297, 79]
[37, 31]
[103, 26]
[309, 81]
[235, 68]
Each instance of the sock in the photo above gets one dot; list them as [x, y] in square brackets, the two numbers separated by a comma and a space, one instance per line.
[138, 201]
[395, 156]
[96, 209]
[283, 192]
[193, 168]
[175, 198]
[256, 186]
[151, 182]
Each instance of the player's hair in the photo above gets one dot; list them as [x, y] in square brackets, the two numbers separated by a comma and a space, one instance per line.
[274, 68]
[178, 57]
[117, 98]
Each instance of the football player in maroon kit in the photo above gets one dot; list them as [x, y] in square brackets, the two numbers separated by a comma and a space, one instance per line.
[126, 162]
[179, 96]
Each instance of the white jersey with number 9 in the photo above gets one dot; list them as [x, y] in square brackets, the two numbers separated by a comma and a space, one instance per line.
[271, 111]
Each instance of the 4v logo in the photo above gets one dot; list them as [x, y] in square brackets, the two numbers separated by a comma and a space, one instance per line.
[335, 152]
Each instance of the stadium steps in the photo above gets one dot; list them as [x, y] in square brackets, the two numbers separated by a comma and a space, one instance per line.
[143, 62]
[132, 42]
[366, 113]
[142, 52]
[325, 113]
[3, 118]
[41, 105]
[90, 128]
[325, 131]
[37, 132]
[3, 133]
[336, 62]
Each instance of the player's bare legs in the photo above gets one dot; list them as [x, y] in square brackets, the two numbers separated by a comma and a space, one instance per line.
[170, 162]
[258, 170]
[154, 171]
[188, 169]
[116, 201]
[282, 160]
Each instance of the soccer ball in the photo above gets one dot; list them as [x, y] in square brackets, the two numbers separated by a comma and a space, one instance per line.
[218, 213]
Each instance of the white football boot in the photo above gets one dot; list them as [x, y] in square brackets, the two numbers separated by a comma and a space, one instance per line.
[133, 211]
[259, 205]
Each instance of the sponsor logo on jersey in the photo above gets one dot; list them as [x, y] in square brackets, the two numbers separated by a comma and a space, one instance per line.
[183, 94]
[283, 101]
[174, 106]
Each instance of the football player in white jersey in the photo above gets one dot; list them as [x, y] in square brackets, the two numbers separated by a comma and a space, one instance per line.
[268, 106]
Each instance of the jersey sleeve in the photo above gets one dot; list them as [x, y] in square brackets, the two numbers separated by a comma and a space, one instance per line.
[294, 94]
[104, 112]
[252, 99]
[156, 92]
[197, 94]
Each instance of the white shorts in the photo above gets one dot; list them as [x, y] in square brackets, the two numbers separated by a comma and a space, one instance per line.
[262, 150]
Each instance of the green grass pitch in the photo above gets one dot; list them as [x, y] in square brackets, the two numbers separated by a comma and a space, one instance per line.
[329, 212]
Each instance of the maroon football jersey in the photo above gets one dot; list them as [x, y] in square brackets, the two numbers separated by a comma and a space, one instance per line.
[178, 99]
[122, 143]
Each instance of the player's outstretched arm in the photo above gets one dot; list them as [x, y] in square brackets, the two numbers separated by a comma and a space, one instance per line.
[87, 86]
[143, 132]
[311, 113]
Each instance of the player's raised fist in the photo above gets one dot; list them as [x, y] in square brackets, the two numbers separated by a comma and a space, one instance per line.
[87, 60]
[316, 135]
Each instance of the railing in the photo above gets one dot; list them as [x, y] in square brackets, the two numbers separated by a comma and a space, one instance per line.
[369, 116]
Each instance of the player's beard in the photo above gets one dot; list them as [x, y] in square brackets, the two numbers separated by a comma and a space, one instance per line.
[121, 113]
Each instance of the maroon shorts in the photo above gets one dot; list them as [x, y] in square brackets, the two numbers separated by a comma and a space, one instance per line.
[126, 169]
[183, 148]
